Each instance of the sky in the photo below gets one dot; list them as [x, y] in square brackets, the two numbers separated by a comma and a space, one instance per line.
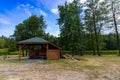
[13, 12]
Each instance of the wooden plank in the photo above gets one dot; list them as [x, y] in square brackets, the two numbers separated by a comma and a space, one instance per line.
[53, 54]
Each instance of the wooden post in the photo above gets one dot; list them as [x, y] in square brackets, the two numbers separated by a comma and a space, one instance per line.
[47, 46]
[20, 47]
[26, 52]
[47, 51]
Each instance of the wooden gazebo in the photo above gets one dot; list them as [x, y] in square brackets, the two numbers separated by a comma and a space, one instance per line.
[45, 49]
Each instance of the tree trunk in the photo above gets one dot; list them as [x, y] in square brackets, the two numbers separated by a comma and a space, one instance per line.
[94, 51]
[73, 53]
[93, 44]
[116, 29]
[96, 35]
[81, 52]
[23, 52]
[98, 51]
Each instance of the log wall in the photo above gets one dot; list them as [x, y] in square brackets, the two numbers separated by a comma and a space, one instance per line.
[53, 54]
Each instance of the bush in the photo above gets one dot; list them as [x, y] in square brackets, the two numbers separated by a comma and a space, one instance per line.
[4, 51]
[14, 53]
[7, 52]
[66, 52]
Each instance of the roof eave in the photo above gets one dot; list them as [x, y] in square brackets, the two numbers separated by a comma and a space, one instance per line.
[32, 43]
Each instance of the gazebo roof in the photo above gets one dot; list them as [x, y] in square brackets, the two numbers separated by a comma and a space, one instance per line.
[34, 40]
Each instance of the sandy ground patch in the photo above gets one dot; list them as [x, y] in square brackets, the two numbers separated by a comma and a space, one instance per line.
[89, 68]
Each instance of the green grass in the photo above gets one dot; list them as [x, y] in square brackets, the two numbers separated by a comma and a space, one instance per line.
[103, 52]
[6, 52]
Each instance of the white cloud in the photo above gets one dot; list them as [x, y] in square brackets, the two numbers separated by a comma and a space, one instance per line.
[69, 1]
[101, 0]
[27, 12]
[118, 28]
[56, 33]
[55, 11]
[42, 13]
[53, 32]
[26, 8]
[22, 5]
[118, 18]
[82, 1]
[50, 4]
[4, 21]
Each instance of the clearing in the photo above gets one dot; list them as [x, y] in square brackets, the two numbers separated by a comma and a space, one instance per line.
[89, 68]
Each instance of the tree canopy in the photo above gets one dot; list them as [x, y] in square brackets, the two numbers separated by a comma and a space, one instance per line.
[71, 29]
[31, 27]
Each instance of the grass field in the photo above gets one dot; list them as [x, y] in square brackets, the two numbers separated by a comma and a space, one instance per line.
[103, 52]
[88, 68]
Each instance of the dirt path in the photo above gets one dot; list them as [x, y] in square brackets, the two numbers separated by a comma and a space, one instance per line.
[34, 71]
[89, 68]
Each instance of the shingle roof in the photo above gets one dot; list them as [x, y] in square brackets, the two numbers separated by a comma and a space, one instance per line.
[37, 40]
[34, 40]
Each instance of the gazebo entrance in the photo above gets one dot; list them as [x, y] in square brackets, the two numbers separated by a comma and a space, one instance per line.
[37, 52]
